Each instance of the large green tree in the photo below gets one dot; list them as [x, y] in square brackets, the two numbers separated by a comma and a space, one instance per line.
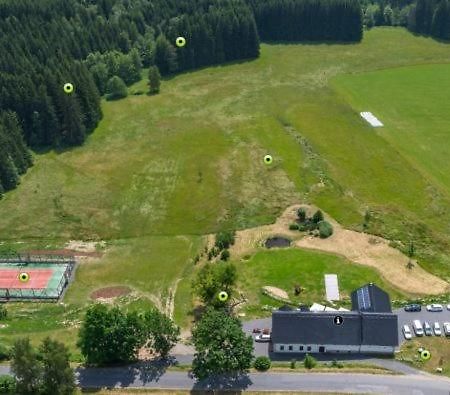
[213, 279]
[162, 334]
[58, 377]
[109, 336]
[26, 367]
[221, 346]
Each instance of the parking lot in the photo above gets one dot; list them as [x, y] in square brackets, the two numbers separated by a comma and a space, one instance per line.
[424, 315]
[403, 318]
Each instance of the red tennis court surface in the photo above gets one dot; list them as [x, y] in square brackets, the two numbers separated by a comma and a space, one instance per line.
[38, 278]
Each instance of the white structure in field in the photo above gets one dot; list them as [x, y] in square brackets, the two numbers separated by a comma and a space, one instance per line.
[372, 119]
[332, 287]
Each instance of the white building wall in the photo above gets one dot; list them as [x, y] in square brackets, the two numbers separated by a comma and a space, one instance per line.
[330, 348]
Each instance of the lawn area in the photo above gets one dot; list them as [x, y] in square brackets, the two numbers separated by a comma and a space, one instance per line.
[439, 348]
[284, 268]
[160, 172]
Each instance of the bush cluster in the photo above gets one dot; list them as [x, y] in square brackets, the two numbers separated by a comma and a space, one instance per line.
[7, 384]
[262, 363]
[315, 225]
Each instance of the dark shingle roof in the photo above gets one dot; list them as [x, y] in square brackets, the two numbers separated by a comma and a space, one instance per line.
[379, 329]
[315, 327]
[371, 298]
[302, 327]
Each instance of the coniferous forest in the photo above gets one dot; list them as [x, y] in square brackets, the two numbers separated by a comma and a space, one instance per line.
[48, 43]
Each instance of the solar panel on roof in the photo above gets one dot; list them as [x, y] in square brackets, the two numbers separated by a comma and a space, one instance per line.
[363, 296]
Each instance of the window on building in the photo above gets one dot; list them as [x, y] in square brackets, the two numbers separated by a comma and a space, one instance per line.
[281, 348]
[301, 348]
[290, 348]
[308, 348]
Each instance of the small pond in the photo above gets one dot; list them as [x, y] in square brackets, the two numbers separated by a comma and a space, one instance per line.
[277, 242]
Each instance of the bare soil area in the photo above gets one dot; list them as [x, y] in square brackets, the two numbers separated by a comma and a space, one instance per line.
[110, 292]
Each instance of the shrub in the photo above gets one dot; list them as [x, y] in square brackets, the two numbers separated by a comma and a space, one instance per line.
[225, 255]
[262, 364]
[7, 384]
[293, 227]
[5, 352]
[317, 217]
[293, 363]
[309, 361]
[116, 89]
[325, 229]
[224, 240]
[301, 214]
[3, 312]
[336, 364]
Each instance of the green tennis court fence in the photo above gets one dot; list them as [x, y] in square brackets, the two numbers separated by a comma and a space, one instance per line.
[61, 266]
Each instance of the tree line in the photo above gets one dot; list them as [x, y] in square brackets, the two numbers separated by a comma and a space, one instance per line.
[427, 17]
[93, 43]
[431, 17]
[312, 20]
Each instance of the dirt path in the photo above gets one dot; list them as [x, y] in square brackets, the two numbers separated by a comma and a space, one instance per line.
[357, 247]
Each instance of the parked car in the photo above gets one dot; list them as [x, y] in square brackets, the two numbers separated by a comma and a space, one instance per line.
[437, 329]
[427, 329]
[434, 307]
[413, 307]
[256, 330]
[407, 332]
[446, 326]
[266, 331]
[262, 338]
[418, 328]
[448, 306]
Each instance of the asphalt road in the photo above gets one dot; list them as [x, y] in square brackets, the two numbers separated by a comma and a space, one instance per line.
[348, 383]
[156, 376]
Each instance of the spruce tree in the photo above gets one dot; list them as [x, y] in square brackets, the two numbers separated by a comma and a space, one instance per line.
[154, 79]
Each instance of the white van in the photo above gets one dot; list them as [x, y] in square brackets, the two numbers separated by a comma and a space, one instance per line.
[418, 328]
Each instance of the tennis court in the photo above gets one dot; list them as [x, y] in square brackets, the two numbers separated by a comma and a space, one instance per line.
[45, 278]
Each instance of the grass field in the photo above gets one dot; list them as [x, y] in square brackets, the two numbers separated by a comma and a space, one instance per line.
[285, 268]
[162, 171]
[437, 346]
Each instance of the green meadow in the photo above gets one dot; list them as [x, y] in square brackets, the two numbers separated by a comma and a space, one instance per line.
[162, 171]
[285, 269]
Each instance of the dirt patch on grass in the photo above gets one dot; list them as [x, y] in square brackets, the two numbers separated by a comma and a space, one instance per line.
[110, 292]
[66, 252]
[357, 247]
[276, 292]
[375, 252]
[249, 240]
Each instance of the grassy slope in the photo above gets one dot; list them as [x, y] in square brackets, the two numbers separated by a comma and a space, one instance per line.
[189, 162]
[416, 128]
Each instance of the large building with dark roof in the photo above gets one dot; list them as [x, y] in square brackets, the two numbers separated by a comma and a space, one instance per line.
[370, 327]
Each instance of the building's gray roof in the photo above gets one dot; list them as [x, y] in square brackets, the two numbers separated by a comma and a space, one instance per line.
[379, 329]
[371, 298]
[300, 327]
[315, 328]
